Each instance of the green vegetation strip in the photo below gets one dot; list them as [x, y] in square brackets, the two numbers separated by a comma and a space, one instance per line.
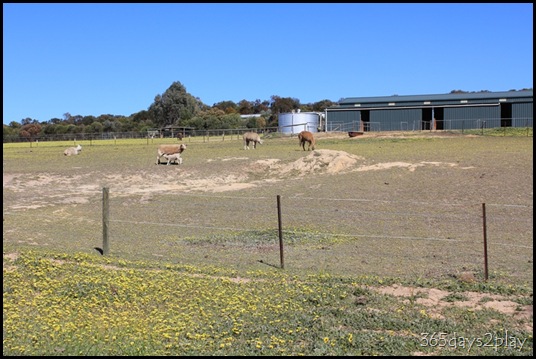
[79, 304]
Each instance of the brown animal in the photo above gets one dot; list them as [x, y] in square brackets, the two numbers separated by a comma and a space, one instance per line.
[251, 137]
[169, 150]
[306, 136]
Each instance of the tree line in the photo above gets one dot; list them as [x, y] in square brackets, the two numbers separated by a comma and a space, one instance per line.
[175, 107]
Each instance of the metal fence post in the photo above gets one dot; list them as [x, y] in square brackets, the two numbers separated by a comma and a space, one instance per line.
[105, 220]
[280, 232]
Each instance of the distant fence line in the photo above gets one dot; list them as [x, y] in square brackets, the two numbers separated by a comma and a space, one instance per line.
[419, 125]
[416, 125]
[229, 133]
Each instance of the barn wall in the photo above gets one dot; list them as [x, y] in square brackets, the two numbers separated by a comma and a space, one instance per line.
[522, 111]
[472, 117]
[450, 111]
[343, 120]
[395, 120]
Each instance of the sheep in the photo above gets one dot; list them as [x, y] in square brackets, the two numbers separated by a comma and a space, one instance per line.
[251, 137]
[176, 158]
[169, 150]
[72, 151]
[306, 136]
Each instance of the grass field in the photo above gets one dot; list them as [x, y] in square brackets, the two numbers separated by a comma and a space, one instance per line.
[383, 242]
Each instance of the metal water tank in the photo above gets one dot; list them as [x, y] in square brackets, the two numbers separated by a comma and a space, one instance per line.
[296, 122]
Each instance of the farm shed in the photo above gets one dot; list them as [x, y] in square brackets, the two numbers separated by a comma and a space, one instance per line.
[456, 111]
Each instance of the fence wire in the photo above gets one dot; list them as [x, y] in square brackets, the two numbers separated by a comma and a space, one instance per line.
[344, 236]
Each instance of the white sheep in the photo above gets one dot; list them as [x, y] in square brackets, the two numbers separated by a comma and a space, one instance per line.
[175, 158]
[251, 137]
[72, 151]
[169, 150]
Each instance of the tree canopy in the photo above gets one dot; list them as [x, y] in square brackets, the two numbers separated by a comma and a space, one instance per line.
[176, 106]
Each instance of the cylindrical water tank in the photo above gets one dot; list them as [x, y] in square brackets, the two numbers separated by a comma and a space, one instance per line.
[297, 122]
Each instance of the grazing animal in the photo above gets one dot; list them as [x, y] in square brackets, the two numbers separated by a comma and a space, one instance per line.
[251, 137]
[306, 136]
[175, 158]
[169, 150]
[72, 151]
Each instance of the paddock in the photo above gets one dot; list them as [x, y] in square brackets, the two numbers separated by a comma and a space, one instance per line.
[347, 208]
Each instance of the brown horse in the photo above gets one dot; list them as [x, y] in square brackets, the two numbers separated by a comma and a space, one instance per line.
[306, 136]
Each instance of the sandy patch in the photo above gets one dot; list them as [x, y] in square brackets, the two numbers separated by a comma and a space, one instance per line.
[81, 188]
[435, 299]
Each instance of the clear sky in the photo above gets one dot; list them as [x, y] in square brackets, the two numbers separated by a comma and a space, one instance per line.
[94, 59]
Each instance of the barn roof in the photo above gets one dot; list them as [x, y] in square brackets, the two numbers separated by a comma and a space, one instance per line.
[523, 94]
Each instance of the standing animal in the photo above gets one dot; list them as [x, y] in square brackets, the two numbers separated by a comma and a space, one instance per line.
[169, 150]
[176, 158]
[72, 151]
[306, 136]
[251, 137]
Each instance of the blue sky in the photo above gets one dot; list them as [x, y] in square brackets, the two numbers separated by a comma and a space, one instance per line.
[94, 59]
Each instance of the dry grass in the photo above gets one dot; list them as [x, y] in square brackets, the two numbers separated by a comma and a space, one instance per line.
[404, 205]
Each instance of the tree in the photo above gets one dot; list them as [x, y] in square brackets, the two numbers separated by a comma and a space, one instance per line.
[30, 130]
[260, 107]
[88, 120]
[174, 106]
[95, 127]
[26, 121]
[245, 107]
[14, 125]
[67, 118]
[284, 104]
[10, 130]
[227, 106]
[322, 105]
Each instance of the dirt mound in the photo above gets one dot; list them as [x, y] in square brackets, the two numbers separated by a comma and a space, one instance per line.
[319, 161]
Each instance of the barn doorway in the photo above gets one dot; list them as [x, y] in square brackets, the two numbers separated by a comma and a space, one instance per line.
[427, 117]
[365, 120]
[439, 116]
[506, 115]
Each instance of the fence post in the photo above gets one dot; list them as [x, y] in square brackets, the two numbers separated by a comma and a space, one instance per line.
[485, 241]
[105, 220]
[280, 231]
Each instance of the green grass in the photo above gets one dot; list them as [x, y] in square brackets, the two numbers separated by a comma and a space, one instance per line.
[194, 272]
[64, 304]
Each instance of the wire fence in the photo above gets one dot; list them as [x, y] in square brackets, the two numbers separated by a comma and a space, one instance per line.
[480, 125]
[459, 125]
[337, 235]
[191, 133]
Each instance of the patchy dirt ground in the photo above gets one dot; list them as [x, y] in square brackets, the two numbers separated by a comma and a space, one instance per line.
[271, 170]
[436, 301]
[387, 186]
[376, 171]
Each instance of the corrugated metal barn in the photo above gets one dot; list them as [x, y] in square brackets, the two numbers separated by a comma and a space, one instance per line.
[456, 111]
